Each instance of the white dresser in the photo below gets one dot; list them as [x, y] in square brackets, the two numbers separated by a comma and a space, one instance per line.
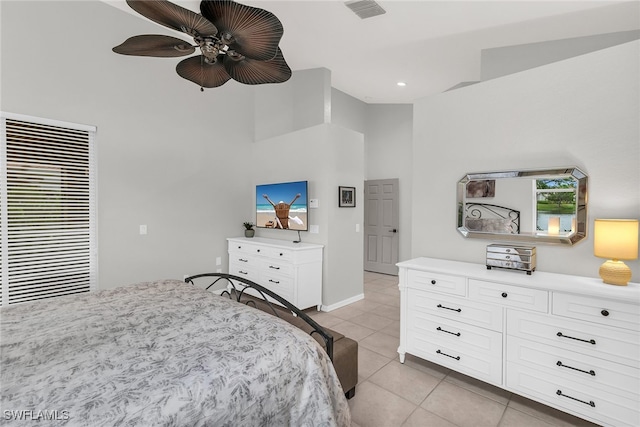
[569, 342]
[292, 270]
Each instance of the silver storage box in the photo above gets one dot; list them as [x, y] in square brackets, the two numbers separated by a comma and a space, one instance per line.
[512, 257]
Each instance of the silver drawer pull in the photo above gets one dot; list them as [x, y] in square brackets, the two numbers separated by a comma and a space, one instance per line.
[242, 272]
[275, 268]
[448, 332]
[243, 260]
[561, 335]
[448, 308]
[562, 365]
[448, 355]
[590, 403]
[274, 281]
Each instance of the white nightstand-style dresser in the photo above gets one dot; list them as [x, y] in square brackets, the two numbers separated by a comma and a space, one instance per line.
[569, 342]
[292, 270]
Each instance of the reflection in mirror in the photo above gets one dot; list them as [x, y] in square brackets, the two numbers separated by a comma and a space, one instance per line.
[556, 205]
[547, 206]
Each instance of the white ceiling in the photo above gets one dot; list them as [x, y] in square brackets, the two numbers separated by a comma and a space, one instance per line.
[430, 45]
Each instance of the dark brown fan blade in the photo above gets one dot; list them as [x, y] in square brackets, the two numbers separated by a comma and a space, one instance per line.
[254, 72]
[154, 45]
[201, 73]
[254, 32]
[173, 16]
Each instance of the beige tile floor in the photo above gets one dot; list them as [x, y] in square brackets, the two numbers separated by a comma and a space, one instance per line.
[419, 393]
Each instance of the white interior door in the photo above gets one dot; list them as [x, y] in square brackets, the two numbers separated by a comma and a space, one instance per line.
[381, 210]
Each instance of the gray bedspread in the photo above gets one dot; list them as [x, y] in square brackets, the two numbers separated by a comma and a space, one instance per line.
[161, 354]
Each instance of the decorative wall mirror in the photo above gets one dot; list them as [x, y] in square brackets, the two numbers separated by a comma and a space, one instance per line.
[535, 206]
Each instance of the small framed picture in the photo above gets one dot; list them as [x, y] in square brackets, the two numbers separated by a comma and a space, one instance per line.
[347, 197]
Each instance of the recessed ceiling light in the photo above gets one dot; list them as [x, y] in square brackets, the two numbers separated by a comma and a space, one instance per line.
[402, 84]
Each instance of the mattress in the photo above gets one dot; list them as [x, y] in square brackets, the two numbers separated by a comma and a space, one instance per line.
[162, 353]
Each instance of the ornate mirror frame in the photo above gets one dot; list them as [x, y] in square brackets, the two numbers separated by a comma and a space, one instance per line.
[504, 223]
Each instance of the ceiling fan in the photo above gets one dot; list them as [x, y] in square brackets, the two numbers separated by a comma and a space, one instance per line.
[236, 42]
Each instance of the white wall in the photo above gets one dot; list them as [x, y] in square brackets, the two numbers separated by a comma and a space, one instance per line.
[175, 159]
[347, 111]
[327, 156]
[302, 101]
[388, 137]
[169, 156]
[582, 111]
[501, 61]
[182, 162]
[388, 154]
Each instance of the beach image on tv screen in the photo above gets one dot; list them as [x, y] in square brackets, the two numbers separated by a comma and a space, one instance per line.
[282, 205]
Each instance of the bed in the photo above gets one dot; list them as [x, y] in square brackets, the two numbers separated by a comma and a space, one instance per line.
[162, 353]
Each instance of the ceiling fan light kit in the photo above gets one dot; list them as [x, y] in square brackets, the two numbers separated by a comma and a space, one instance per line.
[236, 42]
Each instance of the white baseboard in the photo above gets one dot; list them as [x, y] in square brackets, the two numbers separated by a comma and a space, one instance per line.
[322, 307]
[342, 303]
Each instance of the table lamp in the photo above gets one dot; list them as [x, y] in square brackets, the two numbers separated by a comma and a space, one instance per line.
[616, 240]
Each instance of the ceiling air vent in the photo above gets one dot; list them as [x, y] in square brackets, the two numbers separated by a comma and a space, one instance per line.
[365, 8]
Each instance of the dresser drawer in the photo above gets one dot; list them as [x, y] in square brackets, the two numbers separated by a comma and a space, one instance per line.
[459, 309]
[509, 295]
[242, 258]
[587, 372]
[614, 410]
[453, 285]
[598, 310]
[456, 335]
[243, 248]
[246, 270]
[617, 345]
[277, 254]
[281, 285]
[270, 267]
[510, 250]
[501, 256]
[484, 366]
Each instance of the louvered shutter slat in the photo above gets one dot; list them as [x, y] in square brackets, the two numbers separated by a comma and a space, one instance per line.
[47, 219]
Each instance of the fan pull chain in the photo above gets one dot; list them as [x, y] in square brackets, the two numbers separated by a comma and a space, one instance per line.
[201, 72]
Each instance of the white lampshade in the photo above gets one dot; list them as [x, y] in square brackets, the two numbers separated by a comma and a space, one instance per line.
[615, 239]
[554, 225]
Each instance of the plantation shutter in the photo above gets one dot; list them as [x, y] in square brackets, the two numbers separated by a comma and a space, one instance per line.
[47, 209]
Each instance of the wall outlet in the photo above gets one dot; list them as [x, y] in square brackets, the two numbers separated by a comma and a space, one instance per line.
[357, 228]
[143, 229]
[314, 229]
[218, 260]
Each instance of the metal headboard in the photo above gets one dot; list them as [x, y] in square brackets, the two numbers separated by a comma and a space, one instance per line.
[240, 285]
[485, 216]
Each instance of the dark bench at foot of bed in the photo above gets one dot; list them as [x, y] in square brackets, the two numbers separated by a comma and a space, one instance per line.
[342, 350]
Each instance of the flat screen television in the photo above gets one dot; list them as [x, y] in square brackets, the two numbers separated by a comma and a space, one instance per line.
[283, 206]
